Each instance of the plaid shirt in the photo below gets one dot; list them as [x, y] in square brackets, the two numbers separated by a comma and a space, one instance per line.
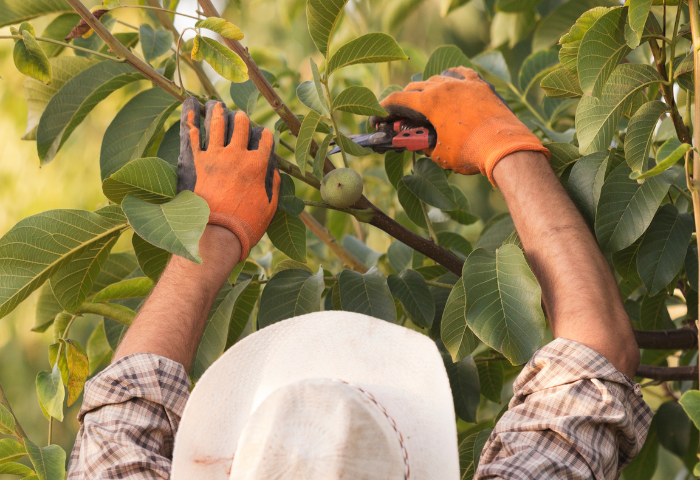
[573, 416]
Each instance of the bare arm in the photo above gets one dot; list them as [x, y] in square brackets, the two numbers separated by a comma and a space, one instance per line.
[579, 290]
[172, 320]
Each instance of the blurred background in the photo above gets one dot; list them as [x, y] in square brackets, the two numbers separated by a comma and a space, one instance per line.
[277, 36]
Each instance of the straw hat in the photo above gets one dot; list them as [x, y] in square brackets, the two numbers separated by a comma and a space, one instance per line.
[329, 395]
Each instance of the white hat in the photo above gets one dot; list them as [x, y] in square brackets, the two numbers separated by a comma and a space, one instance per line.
[329, 395]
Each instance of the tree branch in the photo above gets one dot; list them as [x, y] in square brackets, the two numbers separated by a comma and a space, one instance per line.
[668, 373]
[681, 339]
[195, 66]
[350, 260]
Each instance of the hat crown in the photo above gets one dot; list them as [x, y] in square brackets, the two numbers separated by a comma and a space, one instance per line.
[318, 429]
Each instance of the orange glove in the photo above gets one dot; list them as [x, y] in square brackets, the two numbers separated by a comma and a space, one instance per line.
[475, 127]
[235, 171]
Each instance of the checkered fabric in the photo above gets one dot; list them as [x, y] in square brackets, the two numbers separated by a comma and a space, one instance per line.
[573, 416]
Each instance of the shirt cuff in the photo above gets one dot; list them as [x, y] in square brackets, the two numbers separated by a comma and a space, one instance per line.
[139, 375]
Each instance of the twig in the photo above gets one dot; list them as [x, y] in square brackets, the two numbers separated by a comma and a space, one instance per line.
[331, 242]
[433, 283]
[682, 192]
[157, 9]
[68, 45]
[681, 339]
[668, 373]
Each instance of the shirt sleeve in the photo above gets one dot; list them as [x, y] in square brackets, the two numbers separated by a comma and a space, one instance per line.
[573, 415]
[128, 420]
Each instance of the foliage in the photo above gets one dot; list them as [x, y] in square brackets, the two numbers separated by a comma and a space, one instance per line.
[594, 80]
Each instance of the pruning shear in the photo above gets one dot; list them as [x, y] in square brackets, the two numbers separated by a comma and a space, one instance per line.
[396, 136]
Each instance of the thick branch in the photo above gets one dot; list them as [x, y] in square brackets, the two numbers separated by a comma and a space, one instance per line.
[120, 50]
[195, 66]
[350, 260]
[668, 374]
[681, 339]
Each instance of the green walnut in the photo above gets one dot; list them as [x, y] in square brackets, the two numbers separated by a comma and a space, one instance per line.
[341, 187]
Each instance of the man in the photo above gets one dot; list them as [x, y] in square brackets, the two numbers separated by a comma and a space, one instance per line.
[575, 413]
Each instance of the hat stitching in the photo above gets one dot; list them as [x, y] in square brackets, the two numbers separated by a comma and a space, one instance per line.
[392, 422]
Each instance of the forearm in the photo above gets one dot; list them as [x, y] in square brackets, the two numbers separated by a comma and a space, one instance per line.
[173, 318]
[579, 290]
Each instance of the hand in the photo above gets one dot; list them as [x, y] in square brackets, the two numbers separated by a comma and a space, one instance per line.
[235, 171]
[475, 127]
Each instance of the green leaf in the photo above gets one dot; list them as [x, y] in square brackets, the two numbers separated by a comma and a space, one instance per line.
[638, 13]
[691, 266]
[16, 11]
[49, 388]
[317, 84]
[394, 166]
[429, 183]
[216, 330]
[358, 100]
[515, 5]
[367, 294]
[369, 48]
[49, 462]
[11, 450]
[78, 96]
[138, 287]
[673, 428]
[455, 243]
[288, 294]
[288, 201]
[320, 158]
[309, 96]
[134, 129]
[396, 14]
[221, 58]
[288, 234]
[668, 155]
[117, 267]
[462, 213]
[464, 383]
[663, 249]
[571, 42]
[221, 26]
[690, 401]
[510, 28]
[30, 59]
[399, 255]
[470, 451]
[561, 83]
[72, 283]
[98, 349]
[305, 137]
[154, 43]
[150, 179]
[602, 48]
[563, 155]
[175, 226]
[502, 305]
[128, 39]
[388, 91]
[411, 204]
[352, 148]
[653, 314]
[241, 312]
[360, 250]
[585, 182]
[496, 231]
[456, 334]
[597, 119]
[557, 23]
[535, 67]
[640, 134]
[245, 95]
[322, 17]
[39, 245]
[643, 466]
[410, 289]
[494, 64]
[7, 421]
[625, 263]
[38, 94]
[14, 468]
[491, 378]
[626, 208]
[444, 57]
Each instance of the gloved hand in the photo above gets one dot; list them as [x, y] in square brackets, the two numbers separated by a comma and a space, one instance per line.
[475, 127]
[235, 171]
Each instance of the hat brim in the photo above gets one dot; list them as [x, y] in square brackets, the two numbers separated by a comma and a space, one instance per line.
[401, 368]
